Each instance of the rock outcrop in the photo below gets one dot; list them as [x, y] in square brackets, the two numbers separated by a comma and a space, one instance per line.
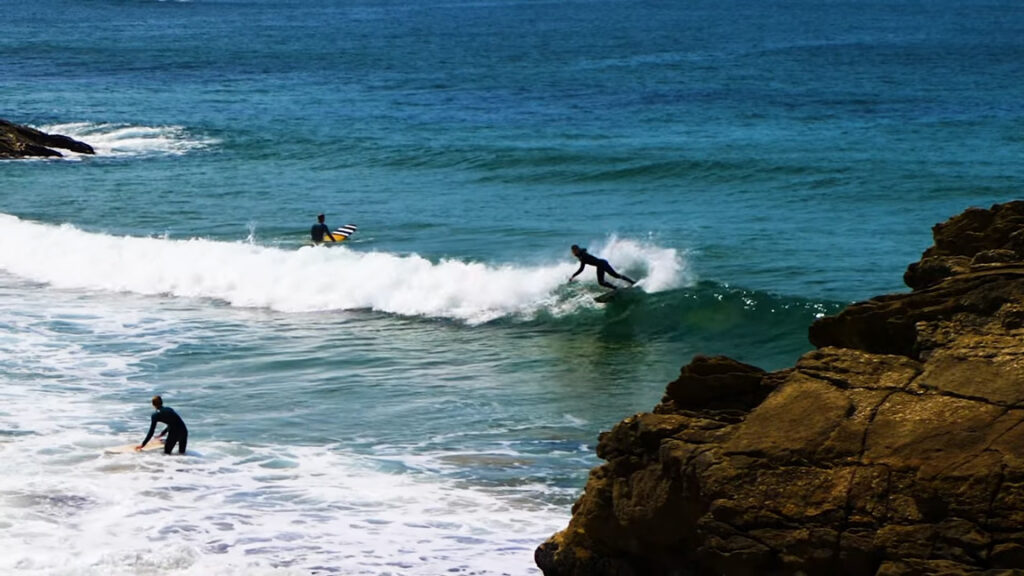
[17, 141]
[896, 447]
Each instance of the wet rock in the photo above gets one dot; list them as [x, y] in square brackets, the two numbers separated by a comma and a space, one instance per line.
[17, 141]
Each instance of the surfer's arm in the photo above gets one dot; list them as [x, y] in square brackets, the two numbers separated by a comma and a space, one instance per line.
[164, 433]
[327, 231]
[152, 427]
[578, 270]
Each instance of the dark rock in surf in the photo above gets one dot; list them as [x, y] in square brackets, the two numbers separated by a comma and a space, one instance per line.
[896, 447]
[17, 141]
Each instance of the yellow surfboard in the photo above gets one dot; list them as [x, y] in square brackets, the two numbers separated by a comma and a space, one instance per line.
[154, 444]
[340, 235]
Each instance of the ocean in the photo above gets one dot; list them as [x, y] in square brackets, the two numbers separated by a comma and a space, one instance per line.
[426, 398]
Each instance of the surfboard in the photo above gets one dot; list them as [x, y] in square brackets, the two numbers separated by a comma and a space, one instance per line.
[340, 234]
[130, 448]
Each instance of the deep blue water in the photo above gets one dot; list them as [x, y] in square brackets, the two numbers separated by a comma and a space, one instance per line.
[426, 398]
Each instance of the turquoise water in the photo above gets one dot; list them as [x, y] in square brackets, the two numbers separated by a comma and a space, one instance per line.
[426, 398]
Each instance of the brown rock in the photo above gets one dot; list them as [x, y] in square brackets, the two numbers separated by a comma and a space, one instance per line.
[963, 238]
[716, 383]
[896, 447]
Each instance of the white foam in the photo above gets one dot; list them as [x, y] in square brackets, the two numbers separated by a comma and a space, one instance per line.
[69, 509]
[66, 508]
[313, 278]
[125, 140]
[660, 269]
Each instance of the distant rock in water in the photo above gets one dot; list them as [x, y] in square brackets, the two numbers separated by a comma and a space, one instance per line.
[895, 448]
[17, 141]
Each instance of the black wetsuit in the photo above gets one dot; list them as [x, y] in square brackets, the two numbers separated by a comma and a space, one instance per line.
[602, 266]
[318, 231]
[177, 433]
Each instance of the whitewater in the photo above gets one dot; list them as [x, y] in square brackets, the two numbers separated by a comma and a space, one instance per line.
[312, 278]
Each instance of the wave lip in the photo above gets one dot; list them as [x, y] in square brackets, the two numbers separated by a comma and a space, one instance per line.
[314, 279]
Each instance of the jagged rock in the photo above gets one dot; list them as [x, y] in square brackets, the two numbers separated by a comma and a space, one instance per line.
[960, 239]
[716, 383]
[17, 141]
[894, 448]
[932, 270]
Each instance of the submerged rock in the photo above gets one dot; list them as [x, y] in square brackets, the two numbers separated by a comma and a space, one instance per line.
[17, 141]
[896, 447]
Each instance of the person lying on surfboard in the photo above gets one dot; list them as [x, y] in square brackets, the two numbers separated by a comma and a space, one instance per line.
[319, 229]
[176, 431]
[602, 266]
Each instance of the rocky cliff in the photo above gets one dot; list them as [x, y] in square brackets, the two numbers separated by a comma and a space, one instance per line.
[17, 141]
[896, 447]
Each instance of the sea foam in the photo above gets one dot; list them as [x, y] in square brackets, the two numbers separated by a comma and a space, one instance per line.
[126, 140]
[231, 507]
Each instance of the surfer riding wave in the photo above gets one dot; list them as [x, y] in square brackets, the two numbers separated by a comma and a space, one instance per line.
[602, 266]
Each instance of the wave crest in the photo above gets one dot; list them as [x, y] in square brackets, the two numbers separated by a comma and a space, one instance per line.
[318, 279]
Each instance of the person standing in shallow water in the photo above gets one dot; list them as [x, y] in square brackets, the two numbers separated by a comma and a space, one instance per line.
[602, 266]
[319, 229]
[175, 431]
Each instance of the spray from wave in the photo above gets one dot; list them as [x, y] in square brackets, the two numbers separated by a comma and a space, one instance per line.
[317, 279]
[124, 140]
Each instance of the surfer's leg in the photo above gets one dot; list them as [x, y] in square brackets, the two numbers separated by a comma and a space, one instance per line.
[602, 281]
[606, 267]
[611, 271]
[169, 442]
[621, 276]
[182, 442]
